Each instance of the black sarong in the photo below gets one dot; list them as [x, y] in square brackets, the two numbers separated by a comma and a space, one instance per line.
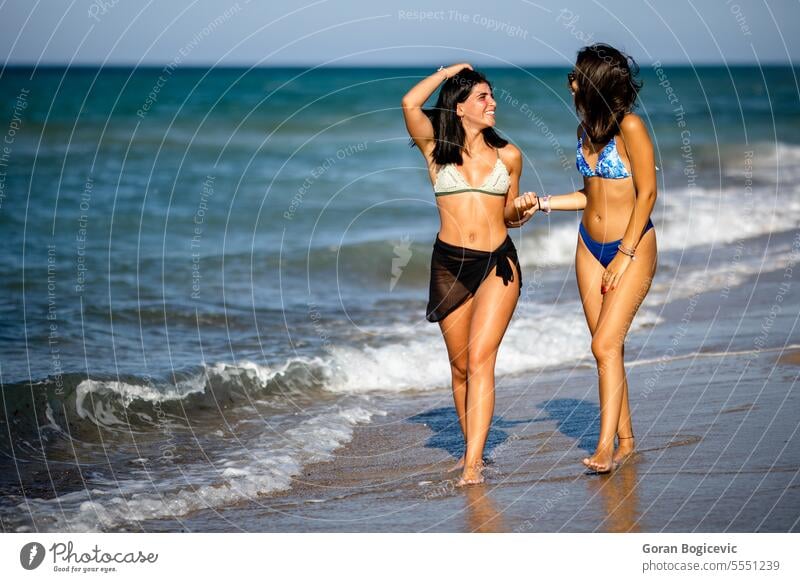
[457, 272]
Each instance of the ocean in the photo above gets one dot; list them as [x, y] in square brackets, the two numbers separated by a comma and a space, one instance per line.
[212, 277]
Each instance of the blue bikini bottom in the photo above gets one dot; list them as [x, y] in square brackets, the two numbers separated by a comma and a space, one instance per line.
[605, 251]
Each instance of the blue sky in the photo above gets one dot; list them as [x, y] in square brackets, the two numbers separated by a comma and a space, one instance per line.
[379, 32]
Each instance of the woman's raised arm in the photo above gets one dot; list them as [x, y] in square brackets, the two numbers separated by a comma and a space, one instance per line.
[417, 123]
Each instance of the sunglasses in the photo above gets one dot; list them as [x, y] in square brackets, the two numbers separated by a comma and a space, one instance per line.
[571, 78]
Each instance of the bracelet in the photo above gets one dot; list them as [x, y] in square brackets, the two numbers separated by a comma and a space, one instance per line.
[626, 251]
[546, 206]
[441, 68]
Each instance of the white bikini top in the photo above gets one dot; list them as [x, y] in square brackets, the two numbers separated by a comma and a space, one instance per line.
[449, 180]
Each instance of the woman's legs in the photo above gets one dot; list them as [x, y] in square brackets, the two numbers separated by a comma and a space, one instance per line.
[589, 273]
[455, 329]
[616, 315]
[625, 441]
[493, 306]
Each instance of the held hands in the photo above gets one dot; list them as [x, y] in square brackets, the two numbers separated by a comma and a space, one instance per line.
[526, 206]
[528, 201]
[526, 216]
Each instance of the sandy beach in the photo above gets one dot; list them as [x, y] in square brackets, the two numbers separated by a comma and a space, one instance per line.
[246, 349]
[717, 438]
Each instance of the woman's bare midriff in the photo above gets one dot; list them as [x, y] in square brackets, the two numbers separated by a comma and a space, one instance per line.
[473, 220]
[609, 204]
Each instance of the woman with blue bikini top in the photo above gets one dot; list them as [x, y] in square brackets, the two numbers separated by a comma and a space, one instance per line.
[610, 166]
[615, 258]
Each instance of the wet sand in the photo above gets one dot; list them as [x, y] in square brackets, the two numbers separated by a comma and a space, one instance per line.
[722, 463]
[790, 358]
[717, 438]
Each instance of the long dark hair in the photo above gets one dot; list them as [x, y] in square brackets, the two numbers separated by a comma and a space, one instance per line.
[448, 132]
[607, 89]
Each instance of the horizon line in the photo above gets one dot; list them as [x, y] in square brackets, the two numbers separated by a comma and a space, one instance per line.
[60, 65]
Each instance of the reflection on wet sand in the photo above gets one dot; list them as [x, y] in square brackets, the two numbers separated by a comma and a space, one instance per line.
[619, 496]
[482, 513]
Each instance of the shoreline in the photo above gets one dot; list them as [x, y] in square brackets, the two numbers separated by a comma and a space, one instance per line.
[387, 479]
[716, 450]
[713, 411]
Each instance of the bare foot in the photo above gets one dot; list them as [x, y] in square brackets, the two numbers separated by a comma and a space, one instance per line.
[625, 449]
[460, 463]
[602, 460]
[471, 475]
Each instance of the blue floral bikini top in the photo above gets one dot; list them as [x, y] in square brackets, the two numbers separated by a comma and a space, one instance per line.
[609, 164]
